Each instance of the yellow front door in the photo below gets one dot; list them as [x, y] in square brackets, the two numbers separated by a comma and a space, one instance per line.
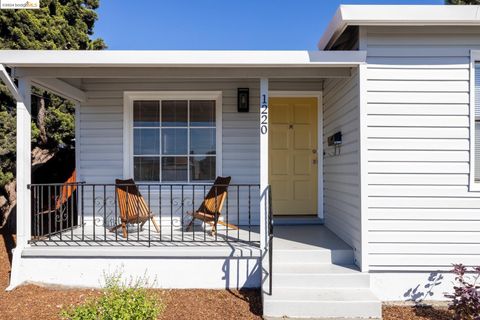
[293, 157]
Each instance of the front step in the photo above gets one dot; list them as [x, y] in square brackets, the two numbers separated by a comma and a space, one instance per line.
[314, 276]
[343, 257]
[326, 303]
[319, 276]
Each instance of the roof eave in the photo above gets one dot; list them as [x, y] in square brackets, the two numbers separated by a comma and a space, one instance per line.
[397, 15]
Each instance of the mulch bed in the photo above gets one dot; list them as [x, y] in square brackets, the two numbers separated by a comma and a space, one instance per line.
[35, 302]
[416, 313]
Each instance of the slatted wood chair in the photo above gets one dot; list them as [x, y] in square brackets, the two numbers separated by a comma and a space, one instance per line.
[211, 208]
[55, 210]
[133, 208]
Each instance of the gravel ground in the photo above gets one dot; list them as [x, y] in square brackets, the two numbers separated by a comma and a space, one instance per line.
[35, 302]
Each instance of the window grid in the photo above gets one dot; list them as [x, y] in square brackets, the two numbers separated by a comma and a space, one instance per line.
[188, 128]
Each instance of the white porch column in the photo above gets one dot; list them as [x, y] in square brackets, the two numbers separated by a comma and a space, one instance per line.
[263, 163]
[24, 163]
[23, 177]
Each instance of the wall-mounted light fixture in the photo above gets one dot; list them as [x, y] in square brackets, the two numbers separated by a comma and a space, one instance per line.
[243, 104]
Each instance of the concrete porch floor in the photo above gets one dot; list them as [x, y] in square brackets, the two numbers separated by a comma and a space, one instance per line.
[306, 237]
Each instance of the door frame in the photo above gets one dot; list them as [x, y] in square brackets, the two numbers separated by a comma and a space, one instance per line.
[318, 95]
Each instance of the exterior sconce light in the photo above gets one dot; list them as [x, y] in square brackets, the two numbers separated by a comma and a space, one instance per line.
[243, 104]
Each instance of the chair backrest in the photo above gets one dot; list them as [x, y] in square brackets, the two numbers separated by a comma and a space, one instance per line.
[66, 190]
[213, 202]
[132, 205]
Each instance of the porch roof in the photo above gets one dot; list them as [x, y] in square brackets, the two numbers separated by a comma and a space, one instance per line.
[397, 15]
[186, 58]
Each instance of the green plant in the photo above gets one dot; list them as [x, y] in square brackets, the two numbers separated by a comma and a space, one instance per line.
[120, 300]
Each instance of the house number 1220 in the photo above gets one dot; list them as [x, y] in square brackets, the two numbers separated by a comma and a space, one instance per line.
[264, 115]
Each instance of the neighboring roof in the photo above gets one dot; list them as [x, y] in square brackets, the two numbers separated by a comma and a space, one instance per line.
[397, 15]
[107, 58]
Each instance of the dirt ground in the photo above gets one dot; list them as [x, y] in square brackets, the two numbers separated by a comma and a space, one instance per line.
[34, 302]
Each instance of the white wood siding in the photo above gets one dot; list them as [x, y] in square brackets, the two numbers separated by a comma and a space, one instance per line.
[421, 213]
[341, 171]
[101, 132]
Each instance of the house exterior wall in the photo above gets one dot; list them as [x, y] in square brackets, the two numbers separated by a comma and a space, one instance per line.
[421, 214]
[101, 137]
[341, 170]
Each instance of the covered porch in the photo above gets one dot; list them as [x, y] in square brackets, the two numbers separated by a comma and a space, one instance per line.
[107, 87]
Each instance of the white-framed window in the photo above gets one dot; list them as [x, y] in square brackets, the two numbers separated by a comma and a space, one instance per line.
[172, 137]
[475, 121]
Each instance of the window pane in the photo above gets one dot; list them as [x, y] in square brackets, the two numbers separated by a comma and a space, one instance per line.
[202, 168]
[146, 141]
[202, 141]
[146, 114]
[202, 113]
[174, 169]
[146, 168]
[174, 113]
[174, 141]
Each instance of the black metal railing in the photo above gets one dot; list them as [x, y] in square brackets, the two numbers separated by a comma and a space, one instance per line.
[270, 240]
[84, 213]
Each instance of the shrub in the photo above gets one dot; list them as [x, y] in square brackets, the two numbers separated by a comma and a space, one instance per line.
[466, 296]
[119, 301]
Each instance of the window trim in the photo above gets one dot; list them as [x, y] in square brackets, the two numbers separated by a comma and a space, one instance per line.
[474, 58]
[130, 96]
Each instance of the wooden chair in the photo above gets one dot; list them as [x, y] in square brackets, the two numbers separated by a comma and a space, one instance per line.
[57, 215]
[133, 208]
[211, 207]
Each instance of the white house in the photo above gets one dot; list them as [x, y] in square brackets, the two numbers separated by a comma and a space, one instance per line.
[369, 145]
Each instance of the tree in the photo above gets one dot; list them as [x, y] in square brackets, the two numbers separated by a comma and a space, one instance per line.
[57, 25]
[462, 1]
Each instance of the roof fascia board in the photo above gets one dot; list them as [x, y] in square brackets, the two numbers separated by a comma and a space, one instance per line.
[397, 15]
[57, 58]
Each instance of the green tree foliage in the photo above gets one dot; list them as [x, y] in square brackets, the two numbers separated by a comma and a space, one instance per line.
[462, 1]
[57, 25]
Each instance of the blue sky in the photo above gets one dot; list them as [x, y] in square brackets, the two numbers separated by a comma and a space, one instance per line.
[219, 24]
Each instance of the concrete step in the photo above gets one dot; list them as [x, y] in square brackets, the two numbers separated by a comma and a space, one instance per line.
[326, 303]
[315, 275]
[319, 255]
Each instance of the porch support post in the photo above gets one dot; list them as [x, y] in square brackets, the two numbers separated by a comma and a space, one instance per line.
[263, 163]
[23, 177]
[24, 162]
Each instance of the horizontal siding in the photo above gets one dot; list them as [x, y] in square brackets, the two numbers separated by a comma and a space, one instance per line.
[422, 215]
[341, 176]
[101, 133]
